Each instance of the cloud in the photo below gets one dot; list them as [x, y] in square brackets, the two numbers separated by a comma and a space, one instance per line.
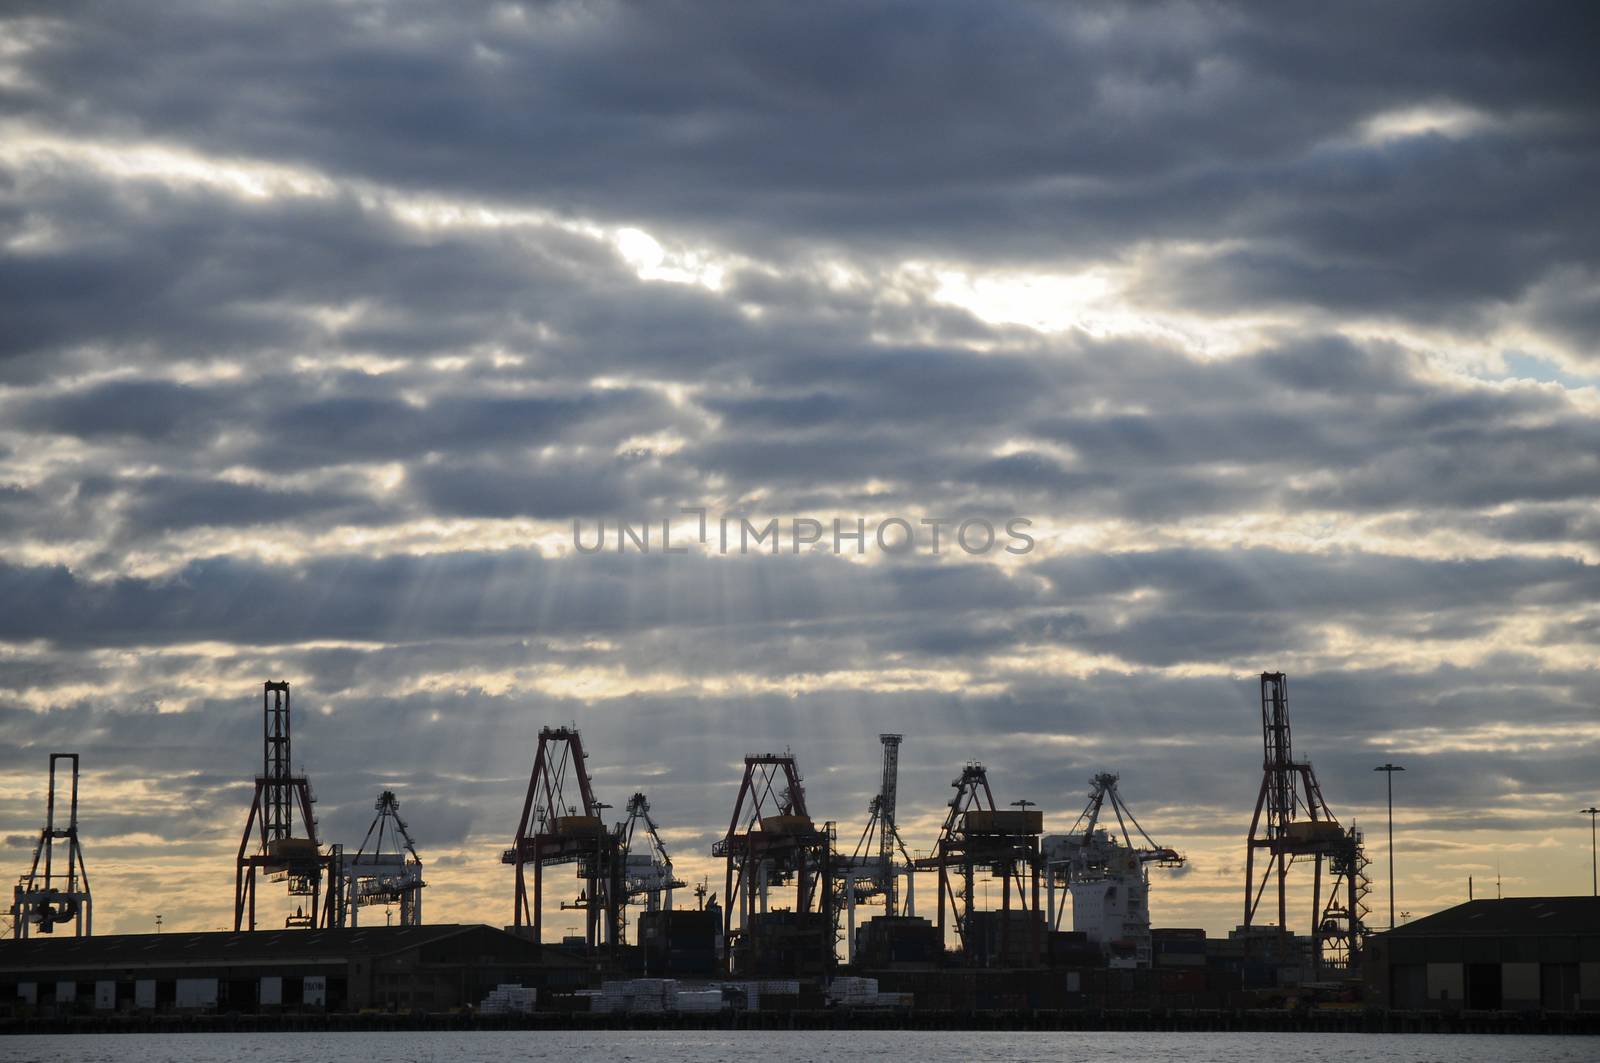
[1027, 136]
[325, 323]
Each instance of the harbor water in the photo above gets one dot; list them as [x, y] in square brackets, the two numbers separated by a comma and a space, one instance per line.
[819, 1046]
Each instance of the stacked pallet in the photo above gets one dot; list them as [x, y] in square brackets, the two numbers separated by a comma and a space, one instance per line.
[637, 996]
[851, 992]
[699, 1001]
[772, 994]
[508, 1000]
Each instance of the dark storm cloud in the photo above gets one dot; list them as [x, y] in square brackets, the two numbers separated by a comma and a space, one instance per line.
[1308, 425]
[1402, 229]
[295, 422]
[284, 421]
[148, 410]
[290, 277]
[17, 505]
[465, 594]
[807, 614]
[1568, 305]
[1265, 582]
[550, 489]
[802, 401]
[167, 503]
[382, 428]
[201, 274]
[1023, 132]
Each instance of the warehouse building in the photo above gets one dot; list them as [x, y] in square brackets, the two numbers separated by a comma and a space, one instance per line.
[1516, 954]
[426, 968]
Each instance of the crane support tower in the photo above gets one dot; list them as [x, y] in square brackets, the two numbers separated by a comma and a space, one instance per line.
[872, 870]
[1105, 872]
[1005, 844]
[772, 843]
[279, 796]
[561, 824]
[60, 894]
[390, 871]
[887, 787]
[1292, 822]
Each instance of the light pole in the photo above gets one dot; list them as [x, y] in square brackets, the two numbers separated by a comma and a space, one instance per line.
[1594, 866]
[1388, 771]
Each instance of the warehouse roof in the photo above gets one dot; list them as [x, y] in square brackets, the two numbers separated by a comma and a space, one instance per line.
[1512, 915]
[246, 947]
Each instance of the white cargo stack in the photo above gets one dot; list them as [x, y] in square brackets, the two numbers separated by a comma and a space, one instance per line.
[699, 1001]
[648, 996]
[610, 1000]
[754, 991]
[508, 1000]
[851, 992]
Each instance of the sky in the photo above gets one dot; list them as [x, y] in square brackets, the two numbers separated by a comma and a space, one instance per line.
[324, 323]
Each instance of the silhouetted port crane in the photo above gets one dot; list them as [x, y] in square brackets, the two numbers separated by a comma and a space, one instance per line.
[1299, 825]
[1104, 870]
[773, 843]
[647, 868]
[300, 862]
[561, 824]
[59, 895]
[386, 870]
[872, 870]
[1005, 844]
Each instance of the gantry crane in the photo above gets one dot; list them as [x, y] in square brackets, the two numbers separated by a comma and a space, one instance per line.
[773, 843]
[1005, 844]
[1106, 873]
[1299, 825]
[561, 824]
[647, 868]
[386, 869]
[41, 902]
[301, 862]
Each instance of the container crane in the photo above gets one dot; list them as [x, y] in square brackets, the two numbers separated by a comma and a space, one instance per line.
[647, 868]
[57, 896]
[1105, 871]
[390, 872]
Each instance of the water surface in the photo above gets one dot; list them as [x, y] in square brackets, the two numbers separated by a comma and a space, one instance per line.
[801, 1046]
